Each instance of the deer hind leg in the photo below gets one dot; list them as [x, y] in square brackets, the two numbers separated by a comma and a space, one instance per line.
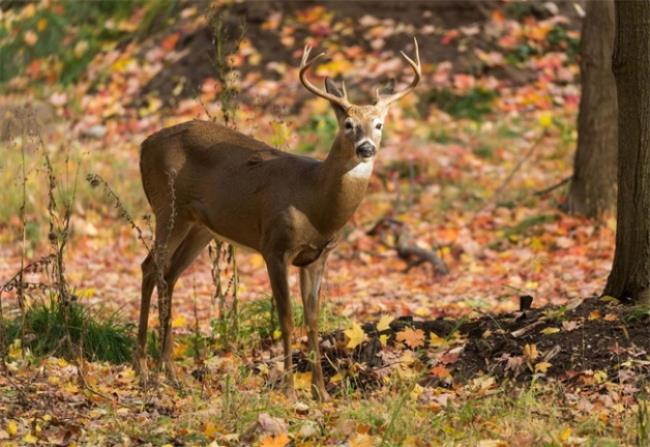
[191, 246]
[148, 284]
[277, 269]
[310, 282]
[167, 239]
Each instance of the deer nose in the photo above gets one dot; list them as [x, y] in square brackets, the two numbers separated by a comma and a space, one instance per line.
[366, 149]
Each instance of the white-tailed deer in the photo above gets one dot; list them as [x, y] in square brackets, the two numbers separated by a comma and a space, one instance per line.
[206, 181]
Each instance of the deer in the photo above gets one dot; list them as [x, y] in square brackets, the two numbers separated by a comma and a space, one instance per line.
[206, 181]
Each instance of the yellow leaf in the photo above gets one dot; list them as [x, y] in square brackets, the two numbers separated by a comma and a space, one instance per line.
[41, 25]
[277, 334]
[30, 439]
[422, 312]
[383, 339]
[70, 388]
[565, 434]
[550, 330]
[594, 315]
[274, 440]
[542, 367]
[302, 381]
[600, 376]
[15, 350]
[384, 323]
[417, 390]
[12, 428]
[355, 335]
[545, 120]
[336, 378]
[412, 338]
[530, 351]
[210, 430]
[179, 321]
[436, 340]
[536, 244]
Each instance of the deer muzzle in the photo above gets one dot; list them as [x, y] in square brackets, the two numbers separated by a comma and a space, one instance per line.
[366, 150]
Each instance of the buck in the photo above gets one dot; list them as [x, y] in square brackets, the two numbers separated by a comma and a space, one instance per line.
[204, 181]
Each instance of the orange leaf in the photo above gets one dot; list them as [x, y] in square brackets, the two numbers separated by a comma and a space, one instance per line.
[412, 338]
[280, 440]
[170, 42]
[440, 371]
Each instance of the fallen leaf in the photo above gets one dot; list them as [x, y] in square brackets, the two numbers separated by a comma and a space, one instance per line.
[355, 335]
[12, 428]
[542, 367]
[530, 352]
[550, 330]
[279, 440]
[384, 323]
[436, 340]
[412, 338]
[440, 371]
[210, 430]
[271, 425]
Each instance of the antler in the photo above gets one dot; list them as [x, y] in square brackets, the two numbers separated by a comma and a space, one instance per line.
[305, 64]
[417, 70]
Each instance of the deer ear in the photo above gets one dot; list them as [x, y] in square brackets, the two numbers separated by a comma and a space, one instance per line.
[333, 89]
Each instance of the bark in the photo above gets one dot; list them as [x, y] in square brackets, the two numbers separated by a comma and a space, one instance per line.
[630, 276]
[593, 185]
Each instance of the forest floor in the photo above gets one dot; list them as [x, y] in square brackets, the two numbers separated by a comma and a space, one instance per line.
[472, 168]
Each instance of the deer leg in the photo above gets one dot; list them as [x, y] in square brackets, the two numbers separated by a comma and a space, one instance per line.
[148, 284]
[192, 245]
[310, 281]
[277, 269]
[167, 241]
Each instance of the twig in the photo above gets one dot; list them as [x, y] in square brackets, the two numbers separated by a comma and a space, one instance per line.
[405, 247]
[552, 188]
[495, 197]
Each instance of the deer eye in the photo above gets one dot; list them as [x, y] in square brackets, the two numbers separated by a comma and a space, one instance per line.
[348, 125]
[378, 126]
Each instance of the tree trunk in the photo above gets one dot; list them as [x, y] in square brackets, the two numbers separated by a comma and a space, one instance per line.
[630, 276]
[593, 185]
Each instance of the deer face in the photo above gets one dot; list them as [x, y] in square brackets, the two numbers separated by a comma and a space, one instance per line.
[360, 127]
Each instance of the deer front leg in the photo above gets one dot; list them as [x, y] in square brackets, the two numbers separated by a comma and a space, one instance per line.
[277, 268]
[310, 281]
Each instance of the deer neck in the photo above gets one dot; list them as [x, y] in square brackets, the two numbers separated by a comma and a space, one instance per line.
[343, 181]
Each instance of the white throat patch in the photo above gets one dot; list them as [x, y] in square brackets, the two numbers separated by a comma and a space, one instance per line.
[361, 170]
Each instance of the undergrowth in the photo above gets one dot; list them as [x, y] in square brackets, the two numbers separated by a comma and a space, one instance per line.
[50, 332]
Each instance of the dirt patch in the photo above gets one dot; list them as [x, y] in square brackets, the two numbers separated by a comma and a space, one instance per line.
[573, 343]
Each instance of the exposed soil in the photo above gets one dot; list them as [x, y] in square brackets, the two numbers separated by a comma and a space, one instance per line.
[594, 336]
